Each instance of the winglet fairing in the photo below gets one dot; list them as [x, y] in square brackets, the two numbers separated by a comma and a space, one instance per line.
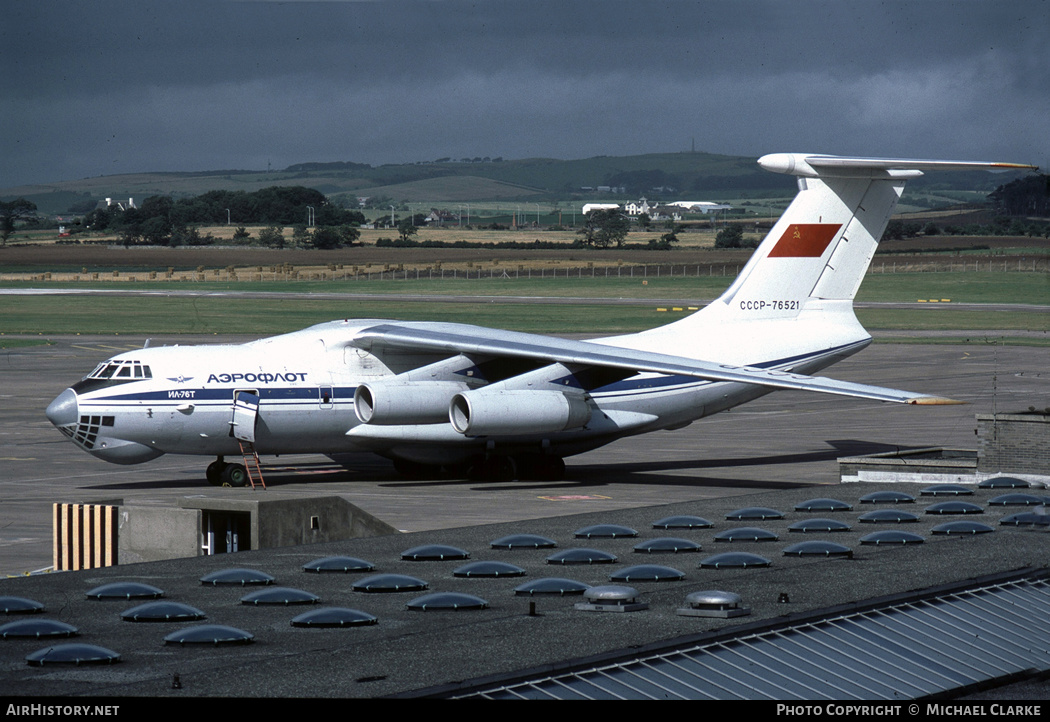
[505, 404]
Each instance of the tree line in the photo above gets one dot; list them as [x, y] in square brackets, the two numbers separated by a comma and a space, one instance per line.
[10, 211]
[162, 220]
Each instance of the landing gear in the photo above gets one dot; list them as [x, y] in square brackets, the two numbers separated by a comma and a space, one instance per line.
[541, 467]
[214, 472]
[235, 475]
[220, 473]
[510, 468]
[550, 468]
[493, 468]
[416, 470]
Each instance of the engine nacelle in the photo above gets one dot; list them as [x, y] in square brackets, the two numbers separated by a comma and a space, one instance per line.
[420, 402]
[495, 413]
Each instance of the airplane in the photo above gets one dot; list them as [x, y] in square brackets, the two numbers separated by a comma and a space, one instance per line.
[494, 404]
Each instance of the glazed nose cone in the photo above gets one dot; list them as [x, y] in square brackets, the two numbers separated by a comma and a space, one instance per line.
[63, 410]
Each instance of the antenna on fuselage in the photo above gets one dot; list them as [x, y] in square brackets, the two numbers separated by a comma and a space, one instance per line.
[146, 345]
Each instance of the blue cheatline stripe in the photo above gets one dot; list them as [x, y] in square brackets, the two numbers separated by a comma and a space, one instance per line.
[225, 395]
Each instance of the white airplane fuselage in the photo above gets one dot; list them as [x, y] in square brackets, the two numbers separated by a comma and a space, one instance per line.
[306, 383]
[444, 394]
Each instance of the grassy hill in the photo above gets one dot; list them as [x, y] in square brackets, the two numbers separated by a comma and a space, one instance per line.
[678, 176]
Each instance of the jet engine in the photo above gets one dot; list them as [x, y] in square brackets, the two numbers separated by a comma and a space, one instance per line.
[493, 413]
[419, 402]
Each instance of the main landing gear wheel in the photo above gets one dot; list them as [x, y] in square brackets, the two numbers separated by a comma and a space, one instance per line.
[494, 468]
[214, 472]
[235, 475]
[416, 470]
[551, 468]
[541, 468]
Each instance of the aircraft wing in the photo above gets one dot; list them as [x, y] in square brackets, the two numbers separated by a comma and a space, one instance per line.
[455, 338]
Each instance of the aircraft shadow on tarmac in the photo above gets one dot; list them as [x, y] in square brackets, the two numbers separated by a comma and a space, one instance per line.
[839, 448]
[348, 468]
[591, 475]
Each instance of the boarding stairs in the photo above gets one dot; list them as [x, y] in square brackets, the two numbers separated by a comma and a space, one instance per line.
[251, 463]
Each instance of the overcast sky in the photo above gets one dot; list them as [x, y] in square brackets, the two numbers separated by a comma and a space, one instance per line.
[105, 87]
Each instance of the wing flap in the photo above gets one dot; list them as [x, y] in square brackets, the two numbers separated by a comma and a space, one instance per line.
[454, 338]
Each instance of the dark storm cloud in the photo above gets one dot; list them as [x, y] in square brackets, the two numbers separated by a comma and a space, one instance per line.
[99, 88]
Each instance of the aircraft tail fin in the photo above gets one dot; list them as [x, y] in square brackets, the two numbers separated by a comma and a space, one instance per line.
[822, 245]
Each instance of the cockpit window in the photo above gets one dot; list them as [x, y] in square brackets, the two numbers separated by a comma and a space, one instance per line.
[121, 370]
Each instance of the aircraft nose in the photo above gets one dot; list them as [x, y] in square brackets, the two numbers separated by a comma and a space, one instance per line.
[63, 411]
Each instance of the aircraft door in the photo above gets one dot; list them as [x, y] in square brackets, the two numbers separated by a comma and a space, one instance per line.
[245, 415]
[326, 397]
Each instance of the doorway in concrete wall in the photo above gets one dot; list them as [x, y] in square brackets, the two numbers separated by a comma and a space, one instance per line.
[225, 532]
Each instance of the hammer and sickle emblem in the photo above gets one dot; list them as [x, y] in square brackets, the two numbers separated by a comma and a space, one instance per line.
[798, 234]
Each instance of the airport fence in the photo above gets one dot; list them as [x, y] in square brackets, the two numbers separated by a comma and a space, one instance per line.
[497, 270]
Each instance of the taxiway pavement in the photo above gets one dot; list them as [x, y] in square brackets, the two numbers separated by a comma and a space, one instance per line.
[783, 440]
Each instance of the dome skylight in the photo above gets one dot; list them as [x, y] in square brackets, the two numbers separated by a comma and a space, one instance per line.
[888, 516]
[666, 545]
[682, 522]
[752, 513]
[647, 573]
[339, 564]
[551, 585]
[605, 531]
[489, 570]
[524, 541]
[818, 548]
[808, 526]
[280, 596]
[125, 590]
[383, 583]
[75, 654]
[734, 560]
[825, 505]
[447, 601]
[236, 577]
[434, 553]
[582, 556]
[217, 634]
[745, 533]
[327, 617]
[162, 611]
[887, 497]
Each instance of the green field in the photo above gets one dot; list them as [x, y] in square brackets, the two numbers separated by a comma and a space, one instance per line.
[41, 315]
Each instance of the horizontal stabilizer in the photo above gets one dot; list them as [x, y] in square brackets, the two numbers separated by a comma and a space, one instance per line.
[816, 166]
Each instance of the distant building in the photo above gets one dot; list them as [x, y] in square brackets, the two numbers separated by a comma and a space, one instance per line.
[439, 218]
[700, 206]
[638, 208]
[588, 207]
[110, 203]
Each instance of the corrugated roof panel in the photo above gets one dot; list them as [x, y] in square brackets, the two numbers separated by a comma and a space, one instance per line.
[776, 659]
[840, 681]
[902, 650]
